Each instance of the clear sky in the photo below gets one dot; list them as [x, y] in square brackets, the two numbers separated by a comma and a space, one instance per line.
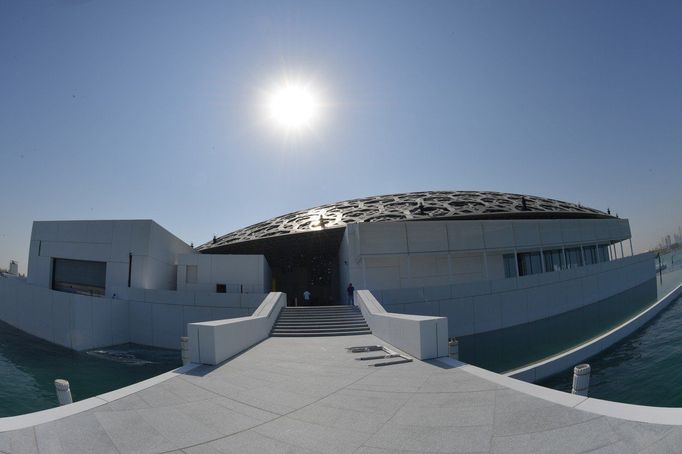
[128, 109]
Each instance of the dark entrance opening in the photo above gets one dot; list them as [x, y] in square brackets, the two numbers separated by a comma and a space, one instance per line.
[299, 262]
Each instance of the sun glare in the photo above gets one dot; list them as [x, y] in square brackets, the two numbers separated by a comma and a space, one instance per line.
[293, 106]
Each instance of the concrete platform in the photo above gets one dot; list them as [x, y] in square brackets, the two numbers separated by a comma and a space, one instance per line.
[305, 395]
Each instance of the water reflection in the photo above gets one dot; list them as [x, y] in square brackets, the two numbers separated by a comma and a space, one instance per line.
[644, 369]
[516, 346]
[29, 366]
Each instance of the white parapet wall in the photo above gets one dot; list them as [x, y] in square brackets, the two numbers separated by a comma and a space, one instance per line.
[216, 341]
[423, 337]
[148, 317]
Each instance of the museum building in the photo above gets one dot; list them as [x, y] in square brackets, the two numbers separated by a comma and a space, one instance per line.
[484, 260]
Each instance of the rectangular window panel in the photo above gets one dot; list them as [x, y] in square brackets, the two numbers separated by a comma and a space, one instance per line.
[509, 265]
[79, 276]
[574, 257]
[603, 252]
[590, 254]
[554, 260]
[529, 263]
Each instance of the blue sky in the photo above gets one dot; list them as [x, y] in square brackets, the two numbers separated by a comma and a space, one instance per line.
[128, 109]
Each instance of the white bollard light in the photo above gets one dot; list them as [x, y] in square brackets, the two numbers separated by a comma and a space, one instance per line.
[63, 391]
[453, 348]
[581, 379]
[184, 350]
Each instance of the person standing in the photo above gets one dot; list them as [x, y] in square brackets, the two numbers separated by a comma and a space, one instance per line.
[306, 298]
[351, 290]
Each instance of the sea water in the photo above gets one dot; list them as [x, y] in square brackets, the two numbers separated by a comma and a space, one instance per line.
[29, 366]
[646, 367]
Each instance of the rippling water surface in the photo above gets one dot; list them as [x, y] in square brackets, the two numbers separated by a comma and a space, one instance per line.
[29, 366]
[645, 368]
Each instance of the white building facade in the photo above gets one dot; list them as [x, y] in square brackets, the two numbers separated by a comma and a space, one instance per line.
[484, 260]
[99, 283]
[486, 275]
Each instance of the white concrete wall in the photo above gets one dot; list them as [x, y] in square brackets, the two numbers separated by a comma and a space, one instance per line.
[250, 273]
[482, 306]
[216, 341]
[144, 316]
[419, 336]
[153, 249]
[433, 253]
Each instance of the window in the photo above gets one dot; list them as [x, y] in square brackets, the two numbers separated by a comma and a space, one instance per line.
[221, 288]
[590, 254]
[509, 265]
[574, 257]
[192, 273]
[554, 260]
[603, 252]
[79, 276]
[529, 263]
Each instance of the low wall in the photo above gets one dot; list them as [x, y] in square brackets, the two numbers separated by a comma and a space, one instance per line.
[482, 306]
[215, 341]
[156, 318]
[420, 336]
[579, 354]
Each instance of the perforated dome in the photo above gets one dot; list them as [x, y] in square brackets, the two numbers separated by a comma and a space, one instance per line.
[414, 206]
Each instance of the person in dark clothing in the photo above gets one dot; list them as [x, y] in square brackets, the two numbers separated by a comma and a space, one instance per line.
[350, 289]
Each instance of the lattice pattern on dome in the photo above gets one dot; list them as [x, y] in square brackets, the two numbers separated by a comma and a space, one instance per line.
[404, 207]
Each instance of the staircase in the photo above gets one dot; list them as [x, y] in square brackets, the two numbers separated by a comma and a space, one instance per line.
[312, 321]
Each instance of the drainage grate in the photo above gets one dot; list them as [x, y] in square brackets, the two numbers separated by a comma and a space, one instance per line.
[389, 354]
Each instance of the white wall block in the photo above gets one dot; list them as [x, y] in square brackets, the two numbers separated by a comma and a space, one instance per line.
[102, 320]
[527, 233]
[550, 233]
[420, 336]
[426, 236]
[100, 232]
[487, 313]
[120, 322]
[513, 308]
[121, 243]
[73, 231]
[141, 323]
[60, 317]
[571, 231]
[382, 238]
[498, 234]
[167, 325]
[465, 235]
[460, 314]
[82, 335]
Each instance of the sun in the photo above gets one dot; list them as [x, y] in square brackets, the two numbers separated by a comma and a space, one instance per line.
[293, 106]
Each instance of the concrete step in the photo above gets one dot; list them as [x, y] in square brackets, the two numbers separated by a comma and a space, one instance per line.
[319, 312]
[318, 329]
[310, 321]
[312, 309]
[331, 333]
[307, 316]
[321, 323]
[320, 317]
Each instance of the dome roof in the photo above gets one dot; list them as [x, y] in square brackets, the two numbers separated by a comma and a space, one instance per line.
[413, 206]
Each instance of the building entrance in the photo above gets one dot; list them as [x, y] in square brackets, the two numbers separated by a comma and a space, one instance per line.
[300, 264]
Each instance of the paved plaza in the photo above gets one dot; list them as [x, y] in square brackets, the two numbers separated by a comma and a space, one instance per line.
[305, 395]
